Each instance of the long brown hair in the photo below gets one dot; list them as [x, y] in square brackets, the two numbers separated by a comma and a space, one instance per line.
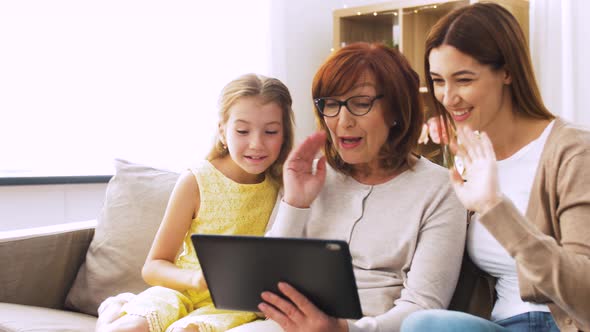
[491, 35]
[270, 90]
[396, 81]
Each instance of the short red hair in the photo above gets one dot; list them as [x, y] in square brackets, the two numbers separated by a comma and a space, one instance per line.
[395, 80]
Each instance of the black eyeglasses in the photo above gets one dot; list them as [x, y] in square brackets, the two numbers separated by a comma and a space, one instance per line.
[356, 105]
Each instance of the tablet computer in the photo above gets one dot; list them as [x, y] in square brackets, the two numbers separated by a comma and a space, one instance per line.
[239, 268]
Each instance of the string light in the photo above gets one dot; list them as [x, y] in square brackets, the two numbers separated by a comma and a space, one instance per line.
[395, 12]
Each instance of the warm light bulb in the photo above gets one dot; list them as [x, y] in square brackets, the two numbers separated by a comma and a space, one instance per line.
[358, 13]
[434, 6]
[395, 13]
[415, 11]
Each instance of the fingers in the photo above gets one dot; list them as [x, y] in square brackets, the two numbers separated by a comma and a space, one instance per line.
[460, 155]
[320, 170]
[456, 178]
[293, 309]
[280, 310]
[434, 129]
[473, 144]
[273, 313]
[302, 302]
[309, 148]
[423, 139]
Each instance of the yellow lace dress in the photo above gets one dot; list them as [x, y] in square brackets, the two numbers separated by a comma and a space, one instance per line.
[226, 207]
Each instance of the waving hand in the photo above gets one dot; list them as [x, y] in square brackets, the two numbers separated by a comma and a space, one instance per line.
[302, 184]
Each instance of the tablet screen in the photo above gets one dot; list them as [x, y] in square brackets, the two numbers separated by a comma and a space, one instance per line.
[239, 268]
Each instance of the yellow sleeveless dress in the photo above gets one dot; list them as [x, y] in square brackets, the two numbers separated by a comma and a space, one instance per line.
[226, 207]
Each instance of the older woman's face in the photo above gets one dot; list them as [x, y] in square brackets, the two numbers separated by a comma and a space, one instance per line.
[358, 139]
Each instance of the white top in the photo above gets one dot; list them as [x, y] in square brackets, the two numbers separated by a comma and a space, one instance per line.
[406, 238]
[516, 175]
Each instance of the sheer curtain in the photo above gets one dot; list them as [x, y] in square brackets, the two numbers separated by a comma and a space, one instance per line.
[559, 32]
[83, 82]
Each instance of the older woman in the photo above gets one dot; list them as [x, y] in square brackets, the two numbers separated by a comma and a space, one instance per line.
[403, 223]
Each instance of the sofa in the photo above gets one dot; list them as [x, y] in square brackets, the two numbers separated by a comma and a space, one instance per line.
[54, 278]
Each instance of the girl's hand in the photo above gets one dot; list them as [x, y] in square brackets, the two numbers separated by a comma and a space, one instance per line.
[299, 314]
[480, 191]
[198, 281]
[301, 184]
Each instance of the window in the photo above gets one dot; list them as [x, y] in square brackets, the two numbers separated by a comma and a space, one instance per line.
[83, 82]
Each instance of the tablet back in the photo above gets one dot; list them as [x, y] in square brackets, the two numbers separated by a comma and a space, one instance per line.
[239, 268]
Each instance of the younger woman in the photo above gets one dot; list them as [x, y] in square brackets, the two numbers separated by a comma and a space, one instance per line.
[233, 192]
[531, 230]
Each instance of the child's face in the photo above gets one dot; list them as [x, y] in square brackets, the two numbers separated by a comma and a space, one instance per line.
[254, 134]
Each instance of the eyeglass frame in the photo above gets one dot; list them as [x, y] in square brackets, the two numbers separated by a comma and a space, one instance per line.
[345, 103]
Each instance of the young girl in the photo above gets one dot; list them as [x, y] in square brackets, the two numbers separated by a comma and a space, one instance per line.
[233, 192]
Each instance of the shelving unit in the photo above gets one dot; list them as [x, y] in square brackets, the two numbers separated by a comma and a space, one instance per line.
[404, 24]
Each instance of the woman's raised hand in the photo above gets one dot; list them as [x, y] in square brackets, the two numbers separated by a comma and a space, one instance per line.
[478, 189]
[302, 183]
[436, 130]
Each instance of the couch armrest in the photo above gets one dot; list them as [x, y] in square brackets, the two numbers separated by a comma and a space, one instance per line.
[39, 265]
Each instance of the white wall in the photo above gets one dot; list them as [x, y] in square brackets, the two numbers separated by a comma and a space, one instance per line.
[33, 206]
[301, 40]
[560, 53]
[581, 32]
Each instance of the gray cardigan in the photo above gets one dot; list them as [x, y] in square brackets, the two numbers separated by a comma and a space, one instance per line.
[406, 238]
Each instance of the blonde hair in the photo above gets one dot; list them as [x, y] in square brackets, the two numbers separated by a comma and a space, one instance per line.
[269, 90]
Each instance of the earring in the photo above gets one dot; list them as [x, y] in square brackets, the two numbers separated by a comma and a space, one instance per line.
[394, 124]
[221, 146]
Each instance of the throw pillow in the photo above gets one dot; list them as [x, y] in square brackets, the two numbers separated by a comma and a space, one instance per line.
[136, 198]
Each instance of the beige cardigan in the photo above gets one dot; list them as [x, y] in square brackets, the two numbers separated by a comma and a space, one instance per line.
[551, 245]
[406, 238]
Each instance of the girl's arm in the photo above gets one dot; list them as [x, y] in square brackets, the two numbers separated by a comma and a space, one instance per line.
[159, 268]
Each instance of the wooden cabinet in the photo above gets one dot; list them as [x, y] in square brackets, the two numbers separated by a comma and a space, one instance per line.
[404, 24]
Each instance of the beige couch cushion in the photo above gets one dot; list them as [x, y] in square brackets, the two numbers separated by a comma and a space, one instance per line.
[16, 317]
[39, 264]
[135, 201]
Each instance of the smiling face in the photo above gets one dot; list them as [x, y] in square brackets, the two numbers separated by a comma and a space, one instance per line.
[253, 134]
[472, 93]
[358, 139]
